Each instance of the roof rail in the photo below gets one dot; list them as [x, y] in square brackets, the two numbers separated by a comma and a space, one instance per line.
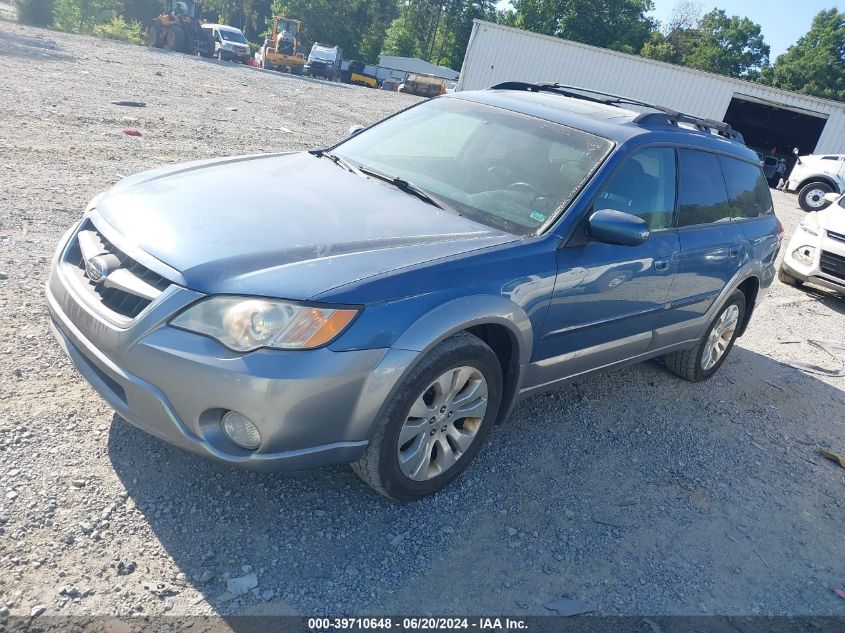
[663, 116]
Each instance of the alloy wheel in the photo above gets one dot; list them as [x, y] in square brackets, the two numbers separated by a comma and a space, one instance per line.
[720, 337]
[442, 424]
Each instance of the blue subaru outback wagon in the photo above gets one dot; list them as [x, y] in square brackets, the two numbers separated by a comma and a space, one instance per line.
[384, 302]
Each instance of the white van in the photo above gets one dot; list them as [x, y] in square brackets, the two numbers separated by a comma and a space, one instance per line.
[229, 43]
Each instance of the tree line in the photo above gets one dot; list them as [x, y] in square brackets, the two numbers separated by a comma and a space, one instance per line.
[438, 31]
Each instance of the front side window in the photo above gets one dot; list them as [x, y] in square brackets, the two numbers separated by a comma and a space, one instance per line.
[702, 195]
[748, 191]
[644, 186]
[500, 168]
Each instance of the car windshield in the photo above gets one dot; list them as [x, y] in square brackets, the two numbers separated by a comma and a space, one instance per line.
[504, 169]
[233, 36]
[323, 54]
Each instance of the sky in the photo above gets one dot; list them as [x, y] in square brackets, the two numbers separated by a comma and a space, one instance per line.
[783, 21]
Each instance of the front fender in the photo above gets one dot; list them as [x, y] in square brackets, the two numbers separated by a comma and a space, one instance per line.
[463, 313]
[424, 334]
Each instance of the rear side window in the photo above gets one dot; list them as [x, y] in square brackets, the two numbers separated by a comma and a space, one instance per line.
[702, 194]
[748, 191]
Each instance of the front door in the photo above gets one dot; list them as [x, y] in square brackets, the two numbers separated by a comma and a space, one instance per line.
[608, 298]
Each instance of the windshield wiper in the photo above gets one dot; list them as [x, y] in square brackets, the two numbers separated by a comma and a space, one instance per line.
[337, 160]
[407, 187]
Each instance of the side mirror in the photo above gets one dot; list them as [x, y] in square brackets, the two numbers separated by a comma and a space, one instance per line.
[616, 227]
[354, 130]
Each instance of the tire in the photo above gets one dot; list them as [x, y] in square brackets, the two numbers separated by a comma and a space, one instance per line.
[175, 40]
[811, 196]
[690, 364]
[450, 361]
[785, 278]
[154, 36]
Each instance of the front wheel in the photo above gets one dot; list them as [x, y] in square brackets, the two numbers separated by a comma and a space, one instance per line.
[785, 278]
[811, 196]
[436, 422]
[702, 361]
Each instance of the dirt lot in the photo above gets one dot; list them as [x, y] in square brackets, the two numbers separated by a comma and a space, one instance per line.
[632, 492]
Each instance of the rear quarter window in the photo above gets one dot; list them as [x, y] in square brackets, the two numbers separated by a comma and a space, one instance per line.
[702, 196]
[748, 191]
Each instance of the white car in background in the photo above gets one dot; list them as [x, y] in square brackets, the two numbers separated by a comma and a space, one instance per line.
[816, 252]
[814, 176]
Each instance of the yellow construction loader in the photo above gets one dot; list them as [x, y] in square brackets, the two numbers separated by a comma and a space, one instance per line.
[178, 29]
[284, 49]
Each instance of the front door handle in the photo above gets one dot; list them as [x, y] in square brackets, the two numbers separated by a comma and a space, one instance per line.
[662, 265]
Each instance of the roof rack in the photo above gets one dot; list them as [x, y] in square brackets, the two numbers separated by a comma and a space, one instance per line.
[663, 116]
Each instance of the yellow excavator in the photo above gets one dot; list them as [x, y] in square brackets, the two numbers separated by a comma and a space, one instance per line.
[179, 29]
[284, 50]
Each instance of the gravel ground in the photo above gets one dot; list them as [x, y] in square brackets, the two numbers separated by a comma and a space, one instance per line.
[631, 492]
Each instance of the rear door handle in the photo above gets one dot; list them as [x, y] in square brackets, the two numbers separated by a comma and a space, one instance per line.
[662, 265]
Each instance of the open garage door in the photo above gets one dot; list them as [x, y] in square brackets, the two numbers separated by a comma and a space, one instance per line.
[767, 126]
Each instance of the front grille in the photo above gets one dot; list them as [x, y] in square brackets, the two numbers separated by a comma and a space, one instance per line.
[833, 264]
[116, 300]
[840, 237]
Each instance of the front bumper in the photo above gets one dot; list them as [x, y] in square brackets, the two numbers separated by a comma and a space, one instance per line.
[313, 408]
[234, 55]
[827, 267]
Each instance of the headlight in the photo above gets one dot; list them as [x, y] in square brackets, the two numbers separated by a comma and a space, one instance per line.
[810, 225]
[805, 254]
[244, 324]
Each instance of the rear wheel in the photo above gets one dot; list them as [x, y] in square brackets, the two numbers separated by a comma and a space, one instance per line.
[811, 196]
[436, 422]
[702, 361]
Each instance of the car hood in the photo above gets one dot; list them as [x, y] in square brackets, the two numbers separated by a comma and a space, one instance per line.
[286, 225]
[832, 219]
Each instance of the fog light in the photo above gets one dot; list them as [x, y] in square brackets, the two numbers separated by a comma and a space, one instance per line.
[241, 430]
[805, 254]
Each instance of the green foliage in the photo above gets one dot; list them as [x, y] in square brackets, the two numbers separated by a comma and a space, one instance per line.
[120, 29]
[728, 45]
[82, 16]
[35, 12]
[437, 31]
[618, 24]
[357, 26]
[716, 43]
[815, 64]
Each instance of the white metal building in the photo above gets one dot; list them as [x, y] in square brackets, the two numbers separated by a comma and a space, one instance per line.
[771, 120]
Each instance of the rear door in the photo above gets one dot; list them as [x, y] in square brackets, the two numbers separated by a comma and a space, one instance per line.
[712, 247]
